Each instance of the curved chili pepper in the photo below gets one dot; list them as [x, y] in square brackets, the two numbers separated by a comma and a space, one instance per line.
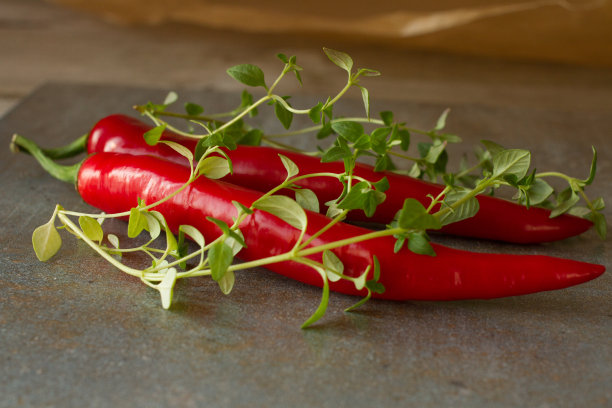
[115, 182]
[259, 168]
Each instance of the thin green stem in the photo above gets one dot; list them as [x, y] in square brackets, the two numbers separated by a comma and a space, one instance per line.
[572, 181]
[242, 114]
[471, 169]
[347, 241]
[202, 118]
[555, 174]
[76, 230]
[437, 199]
[473, 193]
[404, 156]
[292, 180]
[278, 79]
[341, 93]
[286, 146]
[330, 224]
[289, 108]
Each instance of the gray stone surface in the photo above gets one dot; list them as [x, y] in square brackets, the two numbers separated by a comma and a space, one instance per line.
[76, 332]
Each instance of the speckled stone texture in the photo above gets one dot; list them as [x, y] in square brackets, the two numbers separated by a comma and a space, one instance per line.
[75, 332]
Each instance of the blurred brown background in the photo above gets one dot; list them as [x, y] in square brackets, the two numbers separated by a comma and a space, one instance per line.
[538, 53]
[564, 31]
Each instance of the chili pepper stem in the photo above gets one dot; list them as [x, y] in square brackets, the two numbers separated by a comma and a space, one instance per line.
[61, 172]
[72, 149]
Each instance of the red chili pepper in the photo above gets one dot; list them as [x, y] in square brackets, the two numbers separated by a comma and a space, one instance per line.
[259, 168]
[114, 182]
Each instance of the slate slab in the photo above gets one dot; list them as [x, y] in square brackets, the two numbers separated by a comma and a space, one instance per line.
[76, 332]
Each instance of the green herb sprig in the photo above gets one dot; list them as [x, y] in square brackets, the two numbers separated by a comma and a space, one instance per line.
[387, 140]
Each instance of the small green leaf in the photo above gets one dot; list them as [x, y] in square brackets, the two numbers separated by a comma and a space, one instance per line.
[384, 163]
[580, 211]
[251, 138]
[356, 197]
[367, 72]
[284, 116]
[382, 185]
[171, 98]
[415, 171]
[598, 204]
[360, 281]
[220, 257]
[221, 224]
[404, 136]
[246, 100]
[362, 197]
[166, 287]
[434, 152]
[599, 221]
[284, 208]
[362, 143]
[290, 166]
[171, 244]
[324, 301]
[449, 179]
[378, 138]
[372, 199]
[235, 241]
[419, 244]
[338, 151]
[232, 235]
[46, 240]
[441, 122]
[349, 130]
[414, 215]
[492, 147]
[375, 287]
[315, 113]
[241, 207]
[248, 74]
[387, 117]
[539, 191]
[511, 162]
[565, 201]
[365, 95]
[214, 167]
[136, 223]
[593, 169]
[91, 228]
[153, 135]
[376, 268]
[447, 137]
[226, 282]
[339, 58]
[333, 266]
[325, 131]
[399, 243]
[194, 234]
[114, 240]
[327, 110]
[465, 210]
[193, 109]
[307, 199]
[180, 149]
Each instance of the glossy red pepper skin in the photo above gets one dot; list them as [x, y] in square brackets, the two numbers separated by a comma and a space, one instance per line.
[261, 169]
[114, 182]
